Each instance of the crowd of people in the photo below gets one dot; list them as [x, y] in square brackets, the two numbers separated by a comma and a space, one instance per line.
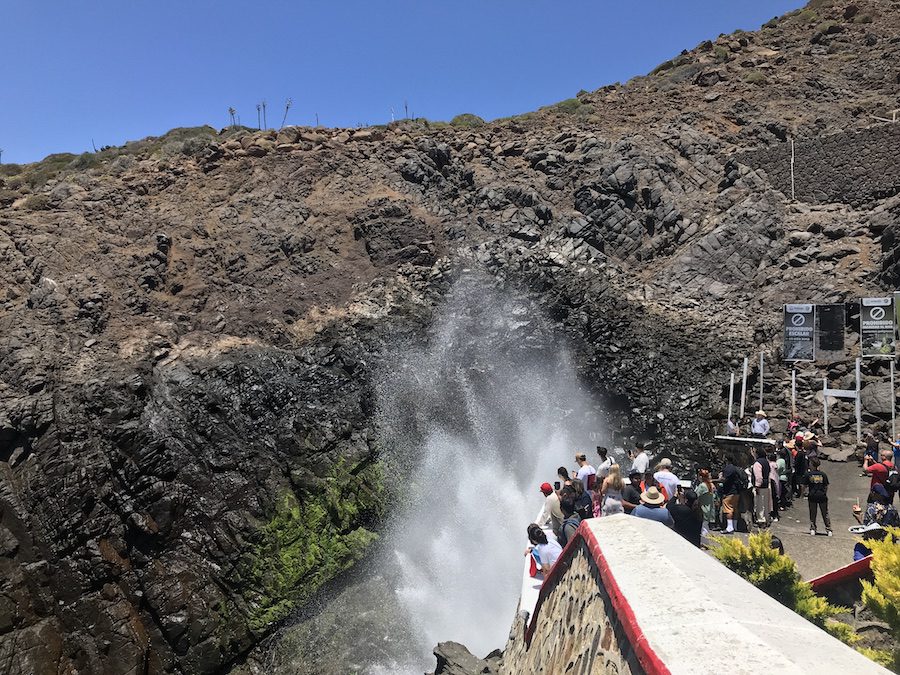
[761, 485]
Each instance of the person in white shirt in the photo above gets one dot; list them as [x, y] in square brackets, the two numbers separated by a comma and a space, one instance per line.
[666, 478]
[640, 462]
[585, 471]
[760, 425]
[605, 463]
[547, 550]
[551, 514]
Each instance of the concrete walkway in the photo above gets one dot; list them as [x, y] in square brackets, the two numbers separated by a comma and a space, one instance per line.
[820, 554]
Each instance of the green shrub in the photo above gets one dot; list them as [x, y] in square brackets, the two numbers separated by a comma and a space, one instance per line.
[662, 67]
[863, 18]
[570, 106]
[882, 595]
[755, 77]
[774, 573]
[721, 52]
[8, 197]
[806, 16]
[36, 203]
[467, 121]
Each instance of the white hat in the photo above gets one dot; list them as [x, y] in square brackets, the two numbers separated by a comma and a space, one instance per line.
[860, 529]
[761, 412]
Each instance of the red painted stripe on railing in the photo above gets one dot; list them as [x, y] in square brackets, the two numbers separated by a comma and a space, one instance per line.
[855, 570]
[649, 660]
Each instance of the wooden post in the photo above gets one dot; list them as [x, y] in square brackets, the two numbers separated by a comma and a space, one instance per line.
[731, 397]
[825, 403]
[793, 392]
[858, 403]
[744, 388]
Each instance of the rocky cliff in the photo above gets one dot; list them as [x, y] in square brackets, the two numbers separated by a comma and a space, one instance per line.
[191, 327]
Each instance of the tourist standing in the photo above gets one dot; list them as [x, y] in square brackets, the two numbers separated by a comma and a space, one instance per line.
[639, 460]
[571, 520]
[774, 487]
[666, 478]
[631, 492]
[651, 507]
[706, 498]
[687, 517]
[879, 471]
[800, 466]
[732, 486]
[761, 493]
[784, 477]
[586, 473]
[604, 463]
[551, 514]
[759, 427]
[612, 485]
[817, 496]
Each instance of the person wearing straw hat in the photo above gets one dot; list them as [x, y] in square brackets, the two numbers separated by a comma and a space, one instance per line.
[760, 426]
[652, 507]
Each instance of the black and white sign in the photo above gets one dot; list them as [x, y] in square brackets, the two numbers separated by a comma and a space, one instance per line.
[831, 328]
[876, 326]
[799, 332]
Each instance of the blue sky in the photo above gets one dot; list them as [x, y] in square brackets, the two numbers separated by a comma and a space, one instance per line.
[73, 72]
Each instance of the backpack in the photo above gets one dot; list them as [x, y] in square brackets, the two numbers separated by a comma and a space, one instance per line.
[563, 539]
[892, 484]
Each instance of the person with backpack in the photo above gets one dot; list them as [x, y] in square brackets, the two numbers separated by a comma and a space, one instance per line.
[800, 466]
[879, 471]
[733, 483]
[784, 476]
[571, 520]
[761, 471]
[817, 483]
[584, 506]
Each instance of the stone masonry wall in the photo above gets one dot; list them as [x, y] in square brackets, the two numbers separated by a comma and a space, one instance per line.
[582, 635]
[853, 167]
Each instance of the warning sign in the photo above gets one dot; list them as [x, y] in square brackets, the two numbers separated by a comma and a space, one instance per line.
[799, 332]
[876, 326]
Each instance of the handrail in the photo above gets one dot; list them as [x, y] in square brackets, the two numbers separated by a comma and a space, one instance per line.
[650, 662]
[856, 569]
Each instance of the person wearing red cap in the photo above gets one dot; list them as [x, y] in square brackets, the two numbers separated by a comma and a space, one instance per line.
[551, 514]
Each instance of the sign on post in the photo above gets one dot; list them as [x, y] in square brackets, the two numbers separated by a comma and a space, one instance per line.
[799, 332]
[831, 328]
[876, 326]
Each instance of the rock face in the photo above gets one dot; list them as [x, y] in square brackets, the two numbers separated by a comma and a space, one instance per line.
[454, 659]
[191, 327]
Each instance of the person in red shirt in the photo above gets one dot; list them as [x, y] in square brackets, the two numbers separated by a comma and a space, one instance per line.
[879, 470]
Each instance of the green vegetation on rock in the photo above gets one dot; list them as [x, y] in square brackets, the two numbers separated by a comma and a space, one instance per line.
[310, 539]
[570, 106]
[467, 120]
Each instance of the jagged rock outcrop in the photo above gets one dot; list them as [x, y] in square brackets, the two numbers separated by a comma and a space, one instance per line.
[191, 326]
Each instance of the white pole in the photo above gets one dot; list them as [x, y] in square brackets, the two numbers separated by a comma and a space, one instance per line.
[744, 388]
[760, 381]
[793, 392]
[825, 402]
[731, 397]
[893, 406]
[858, 404]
